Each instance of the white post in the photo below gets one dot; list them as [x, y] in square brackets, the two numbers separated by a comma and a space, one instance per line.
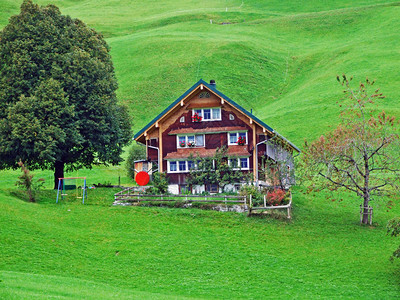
[265, 200]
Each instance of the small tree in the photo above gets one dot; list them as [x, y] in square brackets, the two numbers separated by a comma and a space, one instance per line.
[362, 154]
[215, 170]
[137, 152]
[26, 181]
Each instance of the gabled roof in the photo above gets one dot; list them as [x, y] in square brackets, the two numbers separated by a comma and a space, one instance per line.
[230, 101]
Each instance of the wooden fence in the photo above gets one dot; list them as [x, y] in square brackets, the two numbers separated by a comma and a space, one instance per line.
[288, 206]
[132, 194]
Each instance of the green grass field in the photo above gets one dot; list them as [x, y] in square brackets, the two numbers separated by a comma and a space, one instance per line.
[95, 250]
[279, 58]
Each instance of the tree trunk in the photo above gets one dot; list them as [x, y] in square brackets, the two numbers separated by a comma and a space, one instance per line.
[365, 209]
[366, 189]
[58, 172]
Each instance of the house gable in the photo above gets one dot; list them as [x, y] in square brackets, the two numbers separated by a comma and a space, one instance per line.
[215, 99]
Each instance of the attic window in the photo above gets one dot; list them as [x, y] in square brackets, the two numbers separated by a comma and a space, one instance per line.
[204, 95]
[231, 117]
[182, 120]
[208, 114]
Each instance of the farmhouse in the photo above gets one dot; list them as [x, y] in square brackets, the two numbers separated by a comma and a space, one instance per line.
[198, 123]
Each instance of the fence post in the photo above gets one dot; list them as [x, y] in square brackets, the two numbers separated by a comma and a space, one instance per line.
[370, 211]
[251, 202]
[265, 200]
[361, 214]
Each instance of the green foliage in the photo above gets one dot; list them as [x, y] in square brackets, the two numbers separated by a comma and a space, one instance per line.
[159, 183]
[257, 197]
[214, 170]
[136, 152]
[57, 94]
[393, 229]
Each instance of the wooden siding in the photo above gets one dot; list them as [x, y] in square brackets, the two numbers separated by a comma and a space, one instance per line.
[171, 122]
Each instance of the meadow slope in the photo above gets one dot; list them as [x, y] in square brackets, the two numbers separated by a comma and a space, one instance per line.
[279, 58]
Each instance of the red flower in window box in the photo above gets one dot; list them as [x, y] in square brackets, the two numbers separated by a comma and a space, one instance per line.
[241, 141]
[191, 144]
[182, 144]
[196, 117]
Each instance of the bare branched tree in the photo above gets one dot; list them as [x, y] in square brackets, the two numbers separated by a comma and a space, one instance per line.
[362, 154]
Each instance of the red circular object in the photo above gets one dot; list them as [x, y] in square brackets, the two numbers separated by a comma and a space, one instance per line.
[142, 178]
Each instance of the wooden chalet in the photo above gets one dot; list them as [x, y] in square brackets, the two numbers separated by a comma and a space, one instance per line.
[177, 132]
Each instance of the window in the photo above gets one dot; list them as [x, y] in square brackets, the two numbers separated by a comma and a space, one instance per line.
[241, 162]
[204, 95]
[184, 189]
[212, 188]
[153, 141]
[172, 166]
[185, 141]
[182, 120]
[180, 166]
[208, 114]
[216, 114]
[233, 138]
[233, 162]
[199, 140]
[231, 117]
[244, 163]
[191, 164]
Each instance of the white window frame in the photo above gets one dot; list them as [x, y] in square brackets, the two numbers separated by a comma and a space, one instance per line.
[169, 166]
[237, 137]
[211, 114]
[177, 166]
[178, 146]
[239, 164]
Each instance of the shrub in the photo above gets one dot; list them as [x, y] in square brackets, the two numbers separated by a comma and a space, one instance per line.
[160, 185]
[275, 197]
[256, 195]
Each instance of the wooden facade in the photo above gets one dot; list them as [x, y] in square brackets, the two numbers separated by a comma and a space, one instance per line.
[223, 122]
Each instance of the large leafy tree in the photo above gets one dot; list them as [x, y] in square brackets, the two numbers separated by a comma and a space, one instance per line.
[362, 154]
[58, 106]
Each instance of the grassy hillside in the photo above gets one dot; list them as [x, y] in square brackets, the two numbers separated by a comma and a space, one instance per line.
[71, 250]
[279, 58]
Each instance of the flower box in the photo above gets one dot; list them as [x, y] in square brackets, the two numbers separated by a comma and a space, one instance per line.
[196, 118]
[241, 141]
